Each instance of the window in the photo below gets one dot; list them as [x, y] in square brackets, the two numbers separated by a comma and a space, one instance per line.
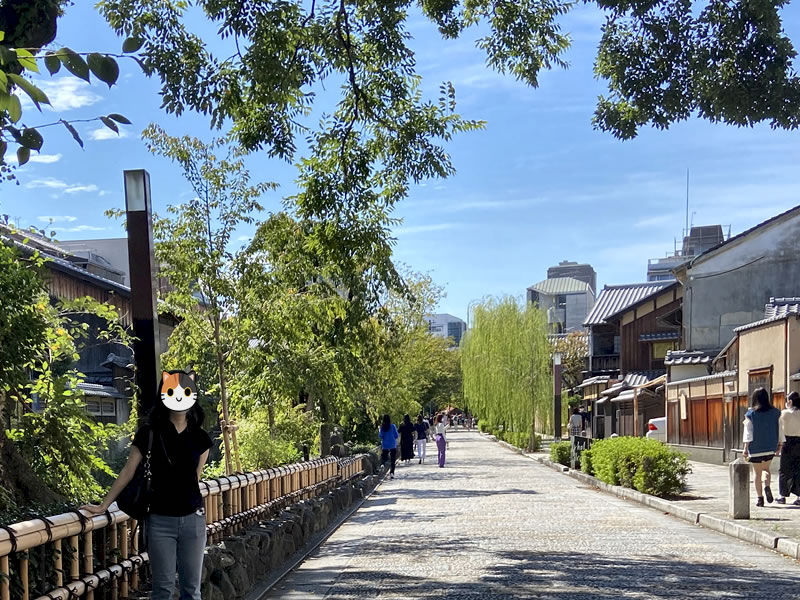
[561, 301]
[660, 349]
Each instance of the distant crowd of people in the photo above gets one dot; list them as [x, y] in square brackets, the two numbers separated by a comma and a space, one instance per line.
[413, 437]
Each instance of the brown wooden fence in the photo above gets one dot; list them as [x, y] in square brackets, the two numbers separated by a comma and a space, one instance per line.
[71, 555]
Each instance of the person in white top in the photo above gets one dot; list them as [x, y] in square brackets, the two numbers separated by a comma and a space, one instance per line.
[575, 422]
[440, 434]
[789, 436]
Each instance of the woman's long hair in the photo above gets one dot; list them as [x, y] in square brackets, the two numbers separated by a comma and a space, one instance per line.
[159, 414]
[387, 423]
[406, 420]
[793, 400]
[761, 401]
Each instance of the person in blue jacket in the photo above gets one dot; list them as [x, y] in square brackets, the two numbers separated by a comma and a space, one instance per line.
[388, 434]
[761, 441]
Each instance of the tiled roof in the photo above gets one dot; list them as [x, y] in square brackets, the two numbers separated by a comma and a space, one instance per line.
[658, 337]
[720, 375]
[632, 380]
[780, 307]
[96, 390]
[616, 298]
[595, 380]
[686, 357]
[113, 359]
[560, 285]
[766, 321]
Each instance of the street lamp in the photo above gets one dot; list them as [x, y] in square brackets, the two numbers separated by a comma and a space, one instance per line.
[557, 395]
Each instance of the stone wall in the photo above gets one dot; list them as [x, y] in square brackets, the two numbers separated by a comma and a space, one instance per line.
[232, 568]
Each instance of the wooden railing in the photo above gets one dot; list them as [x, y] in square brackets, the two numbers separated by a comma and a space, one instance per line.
[72, 555]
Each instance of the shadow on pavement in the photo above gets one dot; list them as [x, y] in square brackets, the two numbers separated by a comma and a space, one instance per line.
[564, 576]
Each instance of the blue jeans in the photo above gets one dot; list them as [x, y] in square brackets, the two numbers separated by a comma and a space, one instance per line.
[176, 544]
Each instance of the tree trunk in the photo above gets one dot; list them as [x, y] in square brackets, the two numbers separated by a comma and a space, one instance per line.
[271, 419]
[324, 430]
[226, 417]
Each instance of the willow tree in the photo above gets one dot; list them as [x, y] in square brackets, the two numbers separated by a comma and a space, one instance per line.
[505, 359]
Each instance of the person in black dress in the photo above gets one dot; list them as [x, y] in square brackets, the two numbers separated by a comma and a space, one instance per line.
[406, 440]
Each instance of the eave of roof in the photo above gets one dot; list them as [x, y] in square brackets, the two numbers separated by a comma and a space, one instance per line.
[614, 299]
[560, 285]
[738, 237]
[720, 375]
[769, 321]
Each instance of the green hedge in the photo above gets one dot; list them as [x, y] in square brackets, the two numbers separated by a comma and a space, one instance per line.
[646, 465]
[560, 452]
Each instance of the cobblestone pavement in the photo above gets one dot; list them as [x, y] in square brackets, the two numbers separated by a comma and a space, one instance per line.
[494, 525]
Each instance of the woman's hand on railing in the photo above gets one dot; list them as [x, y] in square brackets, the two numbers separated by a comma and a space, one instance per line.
[95, 509]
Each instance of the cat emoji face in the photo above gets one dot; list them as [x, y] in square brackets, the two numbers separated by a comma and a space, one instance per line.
[178, 390]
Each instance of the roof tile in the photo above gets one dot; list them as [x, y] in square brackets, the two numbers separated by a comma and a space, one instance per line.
[615, 298]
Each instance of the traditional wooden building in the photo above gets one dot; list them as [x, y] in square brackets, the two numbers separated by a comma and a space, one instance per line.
[705, 413]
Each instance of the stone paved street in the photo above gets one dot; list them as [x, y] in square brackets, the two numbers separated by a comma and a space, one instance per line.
[494, 525]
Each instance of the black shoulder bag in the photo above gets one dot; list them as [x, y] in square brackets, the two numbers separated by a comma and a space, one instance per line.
[134, 499]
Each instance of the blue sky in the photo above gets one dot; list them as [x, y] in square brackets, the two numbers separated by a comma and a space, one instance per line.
[539, 185]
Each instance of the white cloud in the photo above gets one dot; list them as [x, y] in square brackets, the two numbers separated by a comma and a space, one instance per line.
[57, 219]
[65, 93]
[81, 228]
[56, 184]
[47, 182]
[74, 189]
[104, 133]
[45, 159]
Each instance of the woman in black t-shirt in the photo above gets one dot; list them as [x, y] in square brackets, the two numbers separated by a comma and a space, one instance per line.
[176, 526]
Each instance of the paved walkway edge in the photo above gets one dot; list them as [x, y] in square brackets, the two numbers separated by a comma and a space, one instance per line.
[784, 545]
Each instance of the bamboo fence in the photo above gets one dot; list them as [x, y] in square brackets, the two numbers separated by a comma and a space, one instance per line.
[73, 555]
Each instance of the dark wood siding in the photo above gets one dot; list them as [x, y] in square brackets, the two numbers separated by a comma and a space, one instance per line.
[636, 355]
[62, 286]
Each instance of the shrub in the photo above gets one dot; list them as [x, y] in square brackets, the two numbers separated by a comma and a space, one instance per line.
[586, 462]
[640, 463]
[560, 452]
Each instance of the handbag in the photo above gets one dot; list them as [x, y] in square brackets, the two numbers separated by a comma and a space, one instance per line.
[134, 499]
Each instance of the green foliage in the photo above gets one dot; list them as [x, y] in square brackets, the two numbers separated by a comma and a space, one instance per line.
[505, 359]
[259, 446]
[586, 462]
[560, 452]
[647, 465]
[18, 62]
[574, 349]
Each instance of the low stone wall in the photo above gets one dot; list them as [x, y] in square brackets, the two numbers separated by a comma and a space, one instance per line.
[232, 568]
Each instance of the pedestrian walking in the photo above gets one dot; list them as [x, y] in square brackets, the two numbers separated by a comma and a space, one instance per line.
[406, 440]
[441, 438]
[761, 441]
[789, 436]
[176, 447]
[575, 423]
[388, 434]
[421, 430]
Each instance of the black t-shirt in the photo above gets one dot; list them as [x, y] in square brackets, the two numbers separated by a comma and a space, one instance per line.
[173, 463]
[422, 430]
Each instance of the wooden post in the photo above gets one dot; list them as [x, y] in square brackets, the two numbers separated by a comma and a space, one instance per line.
[114, 543]
[88, 560]
[5, 583]
[58, 563]
[123, 553]
[636, 431]
[24, 562]
[74, 565]
[143, 271]
[134, 551]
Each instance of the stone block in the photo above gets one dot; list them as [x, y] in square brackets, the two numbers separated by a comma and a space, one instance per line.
[788, 546]
[739, 490]
[684, 513]
[767, 540]
[221, 580]
[239, 580]
[209, 591]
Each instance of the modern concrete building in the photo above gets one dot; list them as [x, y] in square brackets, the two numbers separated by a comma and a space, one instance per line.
[446, 326]
[699, 240]
[581, 272]
[566, 300]
[727, 286]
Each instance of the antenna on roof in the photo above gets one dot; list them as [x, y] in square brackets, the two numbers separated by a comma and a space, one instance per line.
[687, 202]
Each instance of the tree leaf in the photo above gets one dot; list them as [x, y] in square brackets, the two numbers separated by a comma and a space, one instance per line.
[3, 82]
[73, 132]
[25, 58]
[52, 63]
[14, 108]
[32, 139]
[23, 155]
[119, 118]
[110, 124]
[74, 63]
[37, 95]
[2, 35]
[105, 68]
[132, 44]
